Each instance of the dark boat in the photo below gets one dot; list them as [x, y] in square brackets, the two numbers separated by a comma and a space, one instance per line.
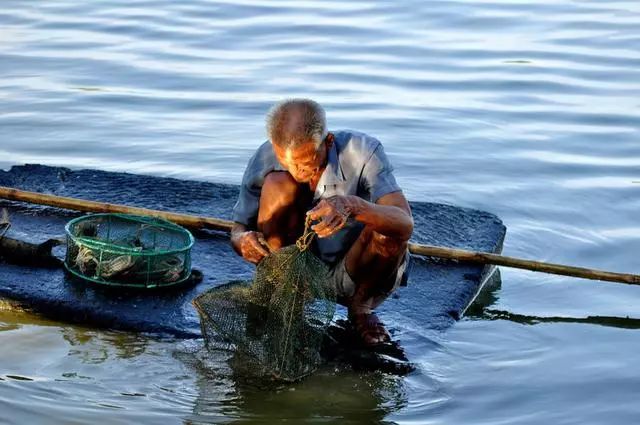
[437, 294]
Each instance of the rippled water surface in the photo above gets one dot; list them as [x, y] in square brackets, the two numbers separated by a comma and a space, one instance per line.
[529, 110]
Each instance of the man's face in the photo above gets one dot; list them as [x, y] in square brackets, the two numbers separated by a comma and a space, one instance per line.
[302, 162]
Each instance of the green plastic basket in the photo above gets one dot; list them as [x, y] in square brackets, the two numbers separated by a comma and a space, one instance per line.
[128, 250]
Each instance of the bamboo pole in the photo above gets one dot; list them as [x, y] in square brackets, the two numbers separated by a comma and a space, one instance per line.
[187, 220]
[199, 222]
[519, 263]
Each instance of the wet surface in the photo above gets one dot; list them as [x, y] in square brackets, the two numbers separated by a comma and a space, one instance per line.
[443, 288]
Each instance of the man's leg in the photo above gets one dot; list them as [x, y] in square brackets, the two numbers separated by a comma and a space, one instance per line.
[372, 262]
[283, 204]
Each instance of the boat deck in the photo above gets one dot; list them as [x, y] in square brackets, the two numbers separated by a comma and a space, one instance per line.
[437, 294]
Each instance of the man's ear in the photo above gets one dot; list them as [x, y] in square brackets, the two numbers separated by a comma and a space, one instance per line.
[329, 140]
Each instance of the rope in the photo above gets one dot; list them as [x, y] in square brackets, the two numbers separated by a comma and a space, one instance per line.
[4, 222]
[4, 231]
[304, 241]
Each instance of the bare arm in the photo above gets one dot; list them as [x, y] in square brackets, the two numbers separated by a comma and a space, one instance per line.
[248, 244]
[389, 216]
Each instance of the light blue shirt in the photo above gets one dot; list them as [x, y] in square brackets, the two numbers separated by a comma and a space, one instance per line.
[356, 165]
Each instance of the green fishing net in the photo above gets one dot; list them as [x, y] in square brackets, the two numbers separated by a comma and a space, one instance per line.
[279, 319]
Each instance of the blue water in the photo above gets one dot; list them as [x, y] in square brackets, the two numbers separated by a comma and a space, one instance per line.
[528, 110]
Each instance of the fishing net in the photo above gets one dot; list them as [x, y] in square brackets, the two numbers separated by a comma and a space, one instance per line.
[278, 319]
[128, 250]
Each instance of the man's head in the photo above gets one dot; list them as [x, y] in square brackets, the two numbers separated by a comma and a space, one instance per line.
[298, 132]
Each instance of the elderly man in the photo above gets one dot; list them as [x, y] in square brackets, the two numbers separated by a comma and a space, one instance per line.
[344, 182]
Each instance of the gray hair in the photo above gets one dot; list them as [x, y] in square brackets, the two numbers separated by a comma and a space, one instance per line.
[293, 122]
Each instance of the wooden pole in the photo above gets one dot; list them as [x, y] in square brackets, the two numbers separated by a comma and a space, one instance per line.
[187, 220]
[519, 263]
[199, 222]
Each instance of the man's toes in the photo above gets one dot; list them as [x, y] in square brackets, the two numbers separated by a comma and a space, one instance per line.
[371, 331]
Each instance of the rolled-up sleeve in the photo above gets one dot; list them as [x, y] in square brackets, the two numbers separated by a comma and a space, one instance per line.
[246, 208]
[377, 175]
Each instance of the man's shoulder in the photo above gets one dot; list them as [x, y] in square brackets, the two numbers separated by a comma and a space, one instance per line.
[264, 155]
[260, 164]
[355, 142]
[265, 149]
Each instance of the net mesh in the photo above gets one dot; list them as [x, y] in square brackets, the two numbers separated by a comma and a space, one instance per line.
[128, 250]
[278, 319]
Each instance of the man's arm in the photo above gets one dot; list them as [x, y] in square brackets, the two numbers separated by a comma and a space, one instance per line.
[245, 241]
[249, 244]
[389, 213]
[389, 216]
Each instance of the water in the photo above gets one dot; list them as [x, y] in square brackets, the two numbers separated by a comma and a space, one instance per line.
[527, 110]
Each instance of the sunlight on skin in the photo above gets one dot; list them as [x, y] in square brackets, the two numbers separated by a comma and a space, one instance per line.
[305, 162]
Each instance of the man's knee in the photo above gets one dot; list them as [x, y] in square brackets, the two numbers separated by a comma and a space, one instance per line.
[387, 246]
[280, 188]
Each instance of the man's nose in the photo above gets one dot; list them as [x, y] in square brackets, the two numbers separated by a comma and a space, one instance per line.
[298, 168]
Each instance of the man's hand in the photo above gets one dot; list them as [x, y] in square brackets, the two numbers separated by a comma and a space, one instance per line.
[250, 245]
[333, 214]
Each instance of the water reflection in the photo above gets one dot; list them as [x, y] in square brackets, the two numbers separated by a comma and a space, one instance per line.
[611, 321]
[92, 347]
[489, 296]
[333, 394]
[60, 353]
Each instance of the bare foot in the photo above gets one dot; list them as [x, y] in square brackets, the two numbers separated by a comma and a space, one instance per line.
[371, 330]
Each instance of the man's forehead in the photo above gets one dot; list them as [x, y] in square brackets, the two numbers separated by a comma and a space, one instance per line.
[288, 156]
[298, 150]
[308, 148]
